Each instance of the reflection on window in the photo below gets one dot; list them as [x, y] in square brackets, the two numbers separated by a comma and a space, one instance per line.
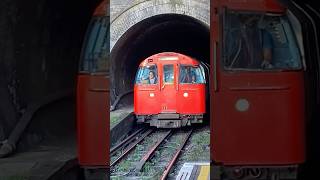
[257, 42]
[168, 74]
[95, 51]
[147, 75]
[190, 74]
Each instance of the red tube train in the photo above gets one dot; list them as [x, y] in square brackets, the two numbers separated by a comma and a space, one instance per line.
[93, 97]
[257, 92]
[169, 91]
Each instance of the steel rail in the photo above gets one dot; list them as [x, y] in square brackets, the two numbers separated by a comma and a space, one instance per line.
[175, 157]
[147, 156]
[131, 147]
[126, 141]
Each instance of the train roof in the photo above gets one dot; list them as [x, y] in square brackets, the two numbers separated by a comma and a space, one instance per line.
[101, 10]
[169, 56]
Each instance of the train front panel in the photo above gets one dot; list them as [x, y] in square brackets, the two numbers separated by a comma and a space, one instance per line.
[172, 99]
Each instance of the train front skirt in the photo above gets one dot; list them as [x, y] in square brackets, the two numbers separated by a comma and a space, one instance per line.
[170, 120]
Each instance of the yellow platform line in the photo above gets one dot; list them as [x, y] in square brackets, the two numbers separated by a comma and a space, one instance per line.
[204, 173]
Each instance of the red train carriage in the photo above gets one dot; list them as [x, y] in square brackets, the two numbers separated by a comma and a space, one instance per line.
[169, 91]
[258, 113]
[93, 95]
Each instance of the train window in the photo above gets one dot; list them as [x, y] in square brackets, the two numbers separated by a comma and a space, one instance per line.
[259, 42]
[168, 74]
[147, 75]
[191, 74]
[95, 51]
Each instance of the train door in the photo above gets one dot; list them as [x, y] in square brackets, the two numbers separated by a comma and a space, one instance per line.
[168, 87]
[258, 81]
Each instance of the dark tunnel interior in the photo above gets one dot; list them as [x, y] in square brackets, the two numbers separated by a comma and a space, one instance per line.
[40, 47]
[161, 33]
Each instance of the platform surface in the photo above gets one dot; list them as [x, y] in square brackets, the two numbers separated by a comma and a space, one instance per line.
[194, 171]
[40, 163]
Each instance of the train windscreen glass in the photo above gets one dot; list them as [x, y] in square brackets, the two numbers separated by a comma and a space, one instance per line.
[147, 75]
[95, 50]
[191, 74]
[168, 74]
[259, 42]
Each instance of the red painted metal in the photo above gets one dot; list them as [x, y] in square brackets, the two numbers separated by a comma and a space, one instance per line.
[101, 10]
[169, 95]
[195, 104]
[271, 131]
[143, 103]
[93, 120]
[93, 114]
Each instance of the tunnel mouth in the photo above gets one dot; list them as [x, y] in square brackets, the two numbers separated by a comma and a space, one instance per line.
[161, 33]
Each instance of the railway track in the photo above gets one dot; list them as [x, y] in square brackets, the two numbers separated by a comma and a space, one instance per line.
[148, 153]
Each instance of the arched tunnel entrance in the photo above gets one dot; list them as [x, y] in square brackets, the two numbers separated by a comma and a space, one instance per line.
[160, 33]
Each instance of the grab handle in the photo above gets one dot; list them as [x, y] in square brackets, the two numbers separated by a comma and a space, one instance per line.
[215, 80]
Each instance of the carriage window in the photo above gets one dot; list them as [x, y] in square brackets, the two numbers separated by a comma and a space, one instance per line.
[259, 42]
[190, 74]
[95, 54]
[168, 75]
[147, 75]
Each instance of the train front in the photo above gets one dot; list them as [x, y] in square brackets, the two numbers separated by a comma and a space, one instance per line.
[93, 97]
[169, 91]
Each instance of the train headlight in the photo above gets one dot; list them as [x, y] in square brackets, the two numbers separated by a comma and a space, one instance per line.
[185, 94]
[151, 95]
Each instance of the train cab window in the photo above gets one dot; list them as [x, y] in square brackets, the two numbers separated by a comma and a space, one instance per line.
[168, 74]
[147, 75]
[191, 74]
[259, 42]
[95, 51]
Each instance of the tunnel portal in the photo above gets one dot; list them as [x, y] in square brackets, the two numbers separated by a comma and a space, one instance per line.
[180, 29]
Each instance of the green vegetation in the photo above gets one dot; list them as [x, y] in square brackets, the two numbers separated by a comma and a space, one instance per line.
[115, 117]
[197, 149]
[200, 148]
[129, 164]
[113, 120]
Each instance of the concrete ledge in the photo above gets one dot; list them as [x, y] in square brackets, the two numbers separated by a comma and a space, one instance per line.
[121, 128]
[40, 163]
